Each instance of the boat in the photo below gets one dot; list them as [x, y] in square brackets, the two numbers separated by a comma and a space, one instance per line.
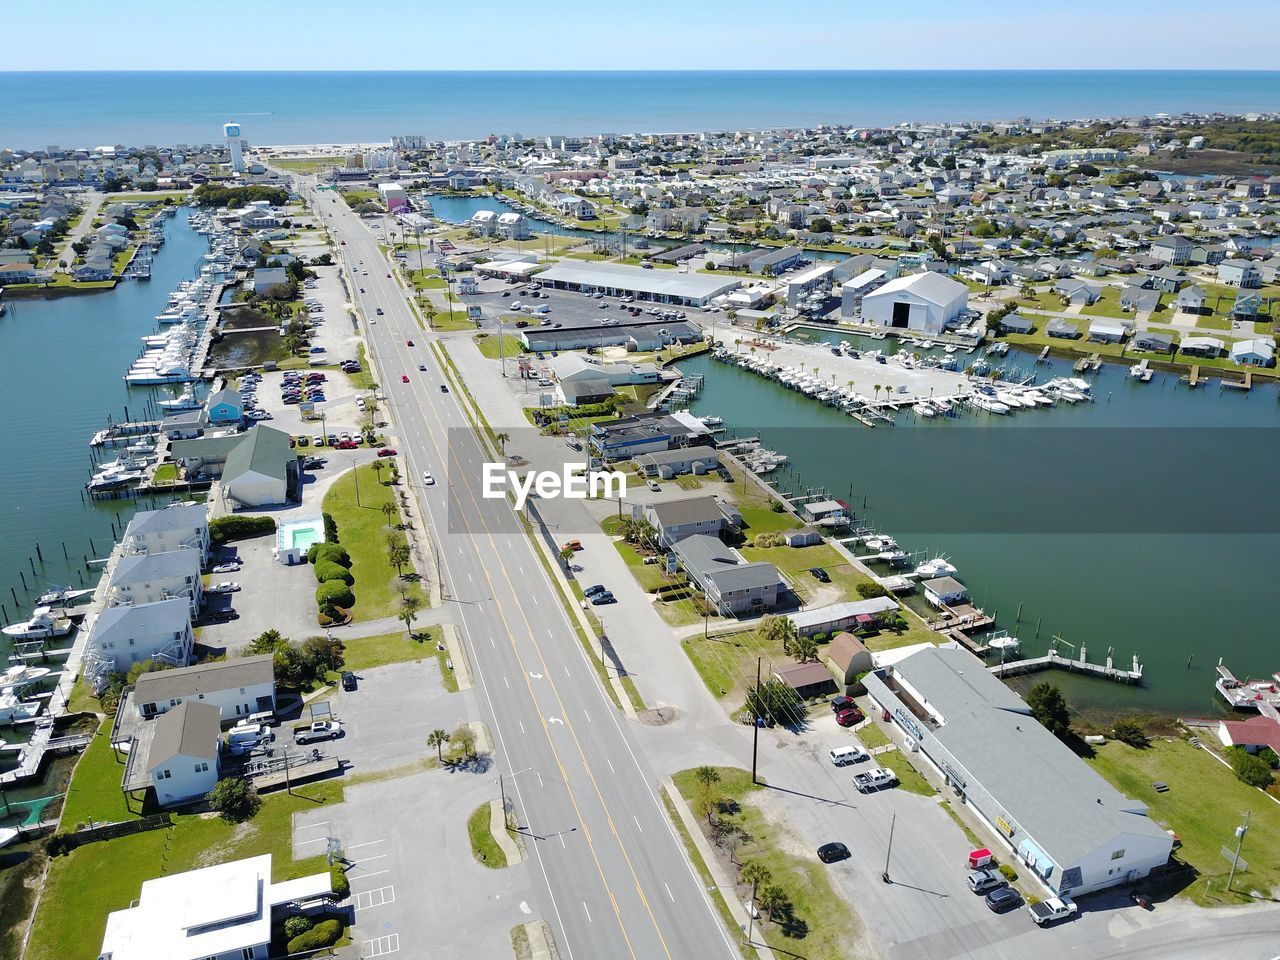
[8, 835]
[937, 567]
[983, 402]
[186, 401]
[950, 348]
[712, 421]
[13, 710]
[924, 409]
[59, 596]
[16, 678]
[41, 625]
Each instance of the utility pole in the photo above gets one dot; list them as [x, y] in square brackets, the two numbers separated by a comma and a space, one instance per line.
[751, 914]
[755, 727]
[885, 876]
[1240, 832]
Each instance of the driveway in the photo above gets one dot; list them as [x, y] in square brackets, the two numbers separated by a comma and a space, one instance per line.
[273, 596]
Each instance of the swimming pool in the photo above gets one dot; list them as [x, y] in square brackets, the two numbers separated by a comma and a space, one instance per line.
[295, 537]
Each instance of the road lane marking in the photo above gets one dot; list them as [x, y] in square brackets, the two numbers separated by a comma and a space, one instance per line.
[637, 820]
[507, 682]
[585, 714]
[670, 895]
[521, 722]
[610, 763]
[588, 912]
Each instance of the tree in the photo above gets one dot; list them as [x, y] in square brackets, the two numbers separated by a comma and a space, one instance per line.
[775, 702]
[410, 604]
[1249, 768]
[707, 778]
[465, 737]
[234, 799]
[388, 508]
[755, 873]
[774, 900]
[398, 553]
[437, 739]
[267, 642]
[871, 589]
[502, 438]
[1127, 730]
[804, 649]
[565, 555]
[778, 630]
[821, 225]
[1050, 708]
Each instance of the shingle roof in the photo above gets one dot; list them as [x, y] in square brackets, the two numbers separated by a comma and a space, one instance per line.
[204, 678]
[188, 730]
[263, 450]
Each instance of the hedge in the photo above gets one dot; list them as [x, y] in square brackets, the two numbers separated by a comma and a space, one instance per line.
[327, 570]
[224, 529]
[332, 595]
[324, 934]
[329, 551]
[338, 880]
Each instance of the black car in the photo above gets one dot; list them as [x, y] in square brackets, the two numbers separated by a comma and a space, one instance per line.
[601, 599]
[348, 680]
[840, 704]
[833, 852]
[444, 388]
[592, 590]
[820, 574]
[1003, 899]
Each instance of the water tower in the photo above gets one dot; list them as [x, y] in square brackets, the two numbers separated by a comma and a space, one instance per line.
[232, 132]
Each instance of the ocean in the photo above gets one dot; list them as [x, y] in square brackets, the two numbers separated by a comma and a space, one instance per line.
[131, 108]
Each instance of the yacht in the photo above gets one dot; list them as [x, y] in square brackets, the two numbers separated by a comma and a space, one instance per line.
[937, 567]
[60, 596]
[924, 409]
[983, 402]
[14, 679]
[42, 624]
[186, 401]
[712, 421]
[13, 710]
[1012, 400]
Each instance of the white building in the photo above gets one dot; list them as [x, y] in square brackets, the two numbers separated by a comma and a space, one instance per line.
[923, 302]
[174, 527]
[1260, 352]
[235, 145]
[1068, 826]
[183, 757]
[125, 635]
[223, 912]
[483, 222]
[151, 577]
[513, 226]
[238, 687]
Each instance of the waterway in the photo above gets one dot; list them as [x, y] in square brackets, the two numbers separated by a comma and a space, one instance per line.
[1179, 600]
[62, 366]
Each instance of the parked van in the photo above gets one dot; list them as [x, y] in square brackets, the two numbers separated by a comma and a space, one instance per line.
[244, 737]
[842, 756]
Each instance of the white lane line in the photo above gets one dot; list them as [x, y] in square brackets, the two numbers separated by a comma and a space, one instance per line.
[507, 682]
[637, 820]
[670, 895]
[521, 722]
[562, 843]
[492, 644]
[376, 856]
[585, 714]
[610, 763]
[470, 578]
[374, 873]
[539, 775]
[588, 912]
[534, 596]
[367, 843]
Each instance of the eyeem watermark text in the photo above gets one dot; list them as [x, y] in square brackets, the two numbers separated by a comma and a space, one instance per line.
[575, 482]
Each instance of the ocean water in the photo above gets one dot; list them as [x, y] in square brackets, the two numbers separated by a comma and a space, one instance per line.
[88, 109]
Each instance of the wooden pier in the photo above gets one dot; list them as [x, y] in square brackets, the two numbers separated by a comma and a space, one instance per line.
[42, 742]
[1193, 378]
[1245, 384]
[1055, 661]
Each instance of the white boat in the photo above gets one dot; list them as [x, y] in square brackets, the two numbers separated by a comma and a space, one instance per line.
[187, 401]
[1012, 400]
[13, 710]
[8, 835]
[41, 625]
[926, 344]
[58, 596]
[712, 421]
[924, 409]
[937, 567]
[15, 678]
[950, 348]
[983, 402]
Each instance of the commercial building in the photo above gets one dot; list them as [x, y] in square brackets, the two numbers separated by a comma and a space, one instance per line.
[671, 463]
[634, 335]
[617, 279]
[922, 302]
[261, 469]
[1067, 825]
[223, 912]
[626, 437]
[393, 197]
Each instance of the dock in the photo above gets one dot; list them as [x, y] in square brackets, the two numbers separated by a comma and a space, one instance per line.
[1193, 378]
[1055, 661]
[41, 744]
[1044, 356]
[1249, 693]
[1245, 384]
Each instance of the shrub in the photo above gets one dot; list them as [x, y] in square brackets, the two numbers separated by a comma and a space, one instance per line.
[225, 529]
[59, 844]
[333, 594]
[1128, 731]
[234, 799]
[297, 926]
[338, 880]
[329, 551]
[767, 540]
[327, 571]
[1249, 768]
[1269, 757]
[1008, 872]
[330, 528]
[324, 934]
[871, 589]
[776, 506]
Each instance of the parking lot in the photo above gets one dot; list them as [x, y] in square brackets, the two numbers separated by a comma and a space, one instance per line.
[566, 307]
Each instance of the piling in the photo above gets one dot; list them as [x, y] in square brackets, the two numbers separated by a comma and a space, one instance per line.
[15, 598]
[39, 554]
[1038, 619]
[1018, 618]
[4, 611]
[33, 566]
[64, 551]
[24, 581]
[91, 546]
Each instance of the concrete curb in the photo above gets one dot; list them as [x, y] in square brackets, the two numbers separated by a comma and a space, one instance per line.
[541, 945]
[461, 666]
[484, 745]
[498, 827]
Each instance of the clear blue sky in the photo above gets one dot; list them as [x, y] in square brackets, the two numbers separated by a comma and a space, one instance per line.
[649, 34]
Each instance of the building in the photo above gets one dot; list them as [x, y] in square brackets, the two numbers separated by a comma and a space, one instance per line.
[1255, 734]
[808, 680]
[634, 335]
[270, 281]
[672, 463]
[393, 197]
[773, 262]
[849, 659]
[1152, 342]
[1062, 329]
[1239, 273]
[235, 145]
[626, 437]
[239, 687]
[658, 285]
[924, 302]
[224, 912]
[1108, 331]
[729, 585]
[853, 290]
[261, 469]
[569, 367]
[513, 226]
[171, 528]
[224, 408]
[138, 578]
[1260, 352]
[676, 519]
[183, 759]
[121, 636]
[1067, 825]
[944, 592]
[855, 614]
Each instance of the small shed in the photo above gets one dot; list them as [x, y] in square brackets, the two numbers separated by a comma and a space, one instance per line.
[804, 537]
[808, 680]
[944, 591]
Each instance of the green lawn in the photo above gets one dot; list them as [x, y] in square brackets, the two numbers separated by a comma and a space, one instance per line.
[762, 519]
[822, 923]
[364, 379]
[308, 164]
[362, 529]
[94, 792]
[908, 778]
[796, 562]
[1204, 805]
[166, 473]
[1107, 305]
[872, 736]
[1213, 322]
[491, 348]
[366, 653]
[727, 664]
[90, 882]
[483, 846]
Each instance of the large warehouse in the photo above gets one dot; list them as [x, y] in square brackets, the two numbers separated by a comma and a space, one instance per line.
[924, 302]
[1064, 822]
[662, 286]
[634, 334]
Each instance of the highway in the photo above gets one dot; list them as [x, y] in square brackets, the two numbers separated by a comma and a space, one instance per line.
[613, 875]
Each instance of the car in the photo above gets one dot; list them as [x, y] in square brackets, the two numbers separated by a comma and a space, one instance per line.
[874, 779]
[444, 388]
[343, 242]
[429, 480]
[348, 680]
[378, 311]
[314, 463]
[603, 599]
[849, 718]
[833, 852]
[574, 545]
[230, 566]
[841, 756]
[317, 441]
[408, 343]
[506, 293]
[422, 367]
[820, 575]
[318, 730]
[221, 616]
[842, 703]
[984, 880]
[226, 586]
[345, 445]
[604, 306]
[388, 276]
[592, 590]
[404, 378]
[653, 485]
[521, 324]
[362, 289]
[387, 452]
[1003, 899]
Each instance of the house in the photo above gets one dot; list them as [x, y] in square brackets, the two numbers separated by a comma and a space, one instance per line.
[576, 393]
[776, 261]
[808, 680]
[224, 408]
[1015, 323]
[239, 687]
[1050, 810]
[858, 614]
[1247, 306]
[513, 226]
[1202, 346]
[676, 519]
[224, 912]
[924, 302]
[1174, 249]
[1135, 297]
[1061, 329]
[626, 437]
[483, 222]
[1260, 352]
[1191, 299]
[1255, 734]
[183, 757]
[944, 591]
[671, 463]
[139, 578]
[1107, 331]
[1078, 291]
[270, 281]
[848, 658]
[260, 469]
[171, 528]
[1151, 342]
[124, 635]
[1166, 279]
[729, 585]
[1239, 273]
[12, 273]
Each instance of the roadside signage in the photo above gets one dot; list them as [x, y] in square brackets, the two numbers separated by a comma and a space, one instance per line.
[307, 408]
[1005, 826]
[671, 564]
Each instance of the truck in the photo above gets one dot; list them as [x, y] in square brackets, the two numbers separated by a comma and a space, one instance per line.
[318, 730]
[1051, 910]
[874, 779]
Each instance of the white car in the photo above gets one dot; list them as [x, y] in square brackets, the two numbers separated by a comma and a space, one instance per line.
[230, 567]
[429, 480]
[226, 586]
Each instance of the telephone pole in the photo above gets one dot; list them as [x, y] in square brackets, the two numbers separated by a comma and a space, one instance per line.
[755, 727]
[889, 850]
[1240, 832]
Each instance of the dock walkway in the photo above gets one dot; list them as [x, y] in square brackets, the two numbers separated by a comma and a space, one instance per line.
[1055, 661]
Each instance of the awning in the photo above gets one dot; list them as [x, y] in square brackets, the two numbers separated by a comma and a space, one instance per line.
[864, 618]
[1034, 857]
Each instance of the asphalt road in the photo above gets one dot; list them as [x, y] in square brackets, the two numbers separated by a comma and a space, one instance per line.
[614, 881]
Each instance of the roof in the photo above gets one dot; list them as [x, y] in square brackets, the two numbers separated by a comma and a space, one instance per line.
[1111, 327]
[844, 648]
[930, 286]
[594, 387]
[1044, 788]
[262, 450]
[204, 678]
[687, 510]
[799, 675]
[818, 616]
[148, 567]
[225, 395]
[177, 517]
[191, 729]
[619, 275]
[944, 586]
[743, 576]
[678, 455]
[1256, 731]
[142, 620]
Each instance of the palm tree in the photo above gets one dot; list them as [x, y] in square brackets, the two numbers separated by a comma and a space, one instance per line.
[755, 873]
[410, 604]
[707, 778]
[502, 438]
[437, 739]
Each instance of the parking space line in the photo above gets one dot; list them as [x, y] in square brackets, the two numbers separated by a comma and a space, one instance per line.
[313, 826]
[381, 946]
[366, 876]
[367, 843]
[376, 856]
[375, 898]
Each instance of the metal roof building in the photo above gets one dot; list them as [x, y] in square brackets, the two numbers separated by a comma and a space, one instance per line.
[664, 286]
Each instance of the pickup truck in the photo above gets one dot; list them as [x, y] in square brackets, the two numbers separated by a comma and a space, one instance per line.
[870, 780]
[319, 730]
[1055, 908]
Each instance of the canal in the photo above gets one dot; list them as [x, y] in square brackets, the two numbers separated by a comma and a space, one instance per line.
[1179, 600]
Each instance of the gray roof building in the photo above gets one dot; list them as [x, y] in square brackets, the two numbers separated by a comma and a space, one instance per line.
[204, 679]
[190, 730]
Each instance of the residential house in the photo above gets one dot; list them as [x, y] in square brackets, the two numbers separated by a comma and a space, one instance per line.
[729, 585]
[124, 635]
[1191, 299]
[808, 680]
[674, 520]
[1174, 249]
[239, 687]
[1061, 329]
[1259, 352]
[170, 528]
[848, 658]
[851, 614]
[270, 281]
[1078, 291]
[224, 408]
[183, 757]
[944, 592]
[138, 578]
[1239, 273]
[667, 464]
[1151, 342]
[1202, 346]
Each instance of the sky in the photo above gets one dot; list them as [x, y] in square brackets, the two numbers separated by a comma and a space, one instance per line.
[645, 35]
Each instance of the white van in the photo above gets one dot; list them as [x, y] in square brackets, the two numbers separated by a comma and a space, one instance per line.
[244, 737]
[841, 756]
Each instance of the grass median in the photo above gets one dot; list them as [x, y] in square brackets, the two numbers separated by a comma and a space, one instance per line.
[483, 846]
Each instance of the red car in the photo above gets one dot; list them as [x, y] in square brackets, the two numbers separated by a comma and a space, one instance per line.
[408, 343]
[850, 717]
[345, 445]
[386, 452]
[404, 378]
